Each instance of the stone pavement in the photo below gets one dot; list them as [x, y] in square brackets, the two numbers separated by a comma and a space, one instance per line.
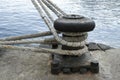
[26, 65]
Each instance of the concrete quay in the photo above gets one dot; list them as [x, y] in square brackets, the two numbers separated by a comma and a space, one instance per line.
[26, 65]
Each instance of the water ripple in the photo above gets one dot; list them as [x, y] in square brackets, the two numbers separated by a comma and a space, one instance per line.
[20, 17]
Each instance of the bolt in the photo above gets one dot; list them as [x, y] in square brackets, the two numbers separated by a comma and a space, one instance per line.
[94, 64]
[74, 70]
[55, 70]
[66, 70]
[83, 70]
[55, 64]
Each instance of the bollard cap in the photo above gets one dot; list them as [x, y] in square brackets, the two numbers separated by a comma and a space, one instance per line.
[74, 23]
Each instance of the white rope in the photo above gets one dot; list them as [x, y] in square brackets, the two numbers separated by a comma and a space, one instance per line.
[44, 41]
[52, 8]
[27, 36]
[56, 7]
[46, 11]
[52, 29]
[75, 39]
[74, 42]
[45, 50]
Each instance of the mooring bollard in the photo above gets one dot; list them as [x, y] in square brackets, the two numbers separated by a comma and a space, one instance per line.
[74, 55]
[74, 28]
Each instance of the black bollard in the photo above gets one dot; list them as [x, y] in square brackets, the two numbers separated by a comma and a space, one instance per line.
[74, 28]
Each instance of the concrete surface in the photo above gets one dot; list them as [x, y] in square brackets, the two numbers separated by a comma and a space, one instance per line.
[25, 65]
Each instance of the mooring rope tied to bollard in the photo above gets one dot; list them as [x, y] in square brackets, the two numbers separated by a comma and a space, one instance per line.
[44, 41]
[51, 7]
[41, 6]
[55, 6]
[48, 22]
[67, 40]
[46, 11]
[45, 50]
[35, 35]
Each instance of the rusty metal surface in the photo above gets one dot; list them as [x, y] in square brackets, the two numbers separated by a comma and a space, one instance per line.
[26, 65]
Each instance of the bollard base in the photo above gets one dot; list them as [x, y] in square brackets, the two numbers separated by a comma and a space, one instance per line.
[74, 64]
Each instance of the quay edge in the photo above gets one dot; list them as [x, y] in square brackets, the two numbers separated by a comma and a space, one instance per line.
[26, 65]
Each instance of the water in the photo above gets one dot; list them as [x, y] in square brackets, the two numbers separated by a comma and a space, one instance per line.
[19, 17]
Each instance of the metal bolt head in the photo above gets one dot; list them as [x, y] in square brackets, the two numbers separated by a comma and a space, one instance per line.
[94, 67]
[83, 70]
[94, 63]
[55, 70]
[66, 70]
[55, 64]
